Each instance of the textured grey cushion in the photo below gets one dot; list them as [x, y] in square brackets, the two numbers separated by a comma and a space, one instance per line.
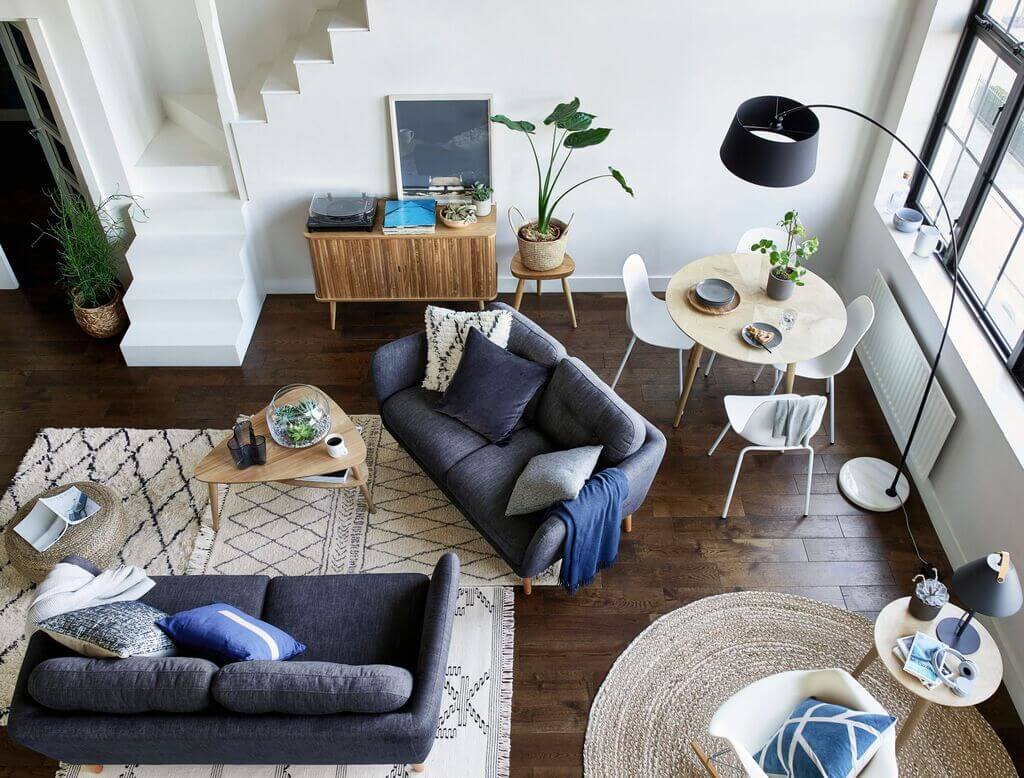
[579, 409]
[550, 478]
[172, 684]
[111, 630]
[311, 688]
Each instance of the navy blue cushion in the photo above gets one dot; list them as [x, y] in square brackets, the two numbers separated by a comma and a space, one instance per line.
[223, 631]
[491, 388]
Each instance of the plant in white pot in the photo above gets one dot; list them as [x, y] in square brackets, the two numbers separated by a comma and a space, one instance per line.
[481, 194]
[542, 241]
[787, 263]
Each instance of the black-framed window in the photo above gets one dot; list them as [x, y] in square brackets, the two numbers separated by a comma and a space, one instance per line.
[975, 150]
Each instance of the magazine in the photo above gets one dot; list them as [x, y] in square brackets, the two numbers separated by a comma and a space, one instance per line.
[50, 517]
[919, 660]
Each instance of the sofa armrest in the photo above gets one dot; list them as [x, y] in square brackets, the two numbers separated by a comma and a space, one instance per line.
[641, 466]
[545, 549]
[398, 365]
[438, 617]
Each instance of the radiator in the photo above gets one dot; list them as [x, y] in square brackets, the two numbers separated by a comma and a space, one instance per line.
[898, 370]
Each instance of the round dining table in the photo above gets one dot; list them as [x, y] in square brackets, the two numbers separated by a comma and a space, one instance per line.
[820, 316]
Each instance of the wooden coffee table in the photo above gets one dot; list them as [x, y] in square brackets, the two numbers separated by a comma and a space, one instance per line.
[289, 465]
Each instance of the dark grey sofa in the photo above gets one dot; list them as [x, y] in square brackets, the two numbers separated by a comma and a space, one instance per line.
[575, 408]
[396, 619]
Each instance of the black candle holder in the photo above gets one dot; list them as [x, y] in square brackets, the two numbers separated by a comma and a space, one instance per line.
[246, 447]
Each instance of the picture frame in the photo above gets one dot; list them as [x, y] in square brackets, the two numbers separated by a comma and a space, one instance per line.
[441, 144]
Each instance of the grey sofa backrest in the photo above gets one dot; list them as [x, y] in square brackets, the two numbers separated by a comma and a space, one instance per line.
[579, 409]
[529, 341]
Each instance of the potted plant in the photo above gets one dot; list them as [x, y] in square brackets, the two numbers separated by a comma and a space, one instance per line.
[787, 263]
[458, 215]
[481, 195]
[89, 240]
[542, 241]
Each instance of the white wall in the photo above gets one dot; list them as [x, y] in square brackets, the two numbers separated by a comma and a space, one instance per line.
[174, 44]
[666, 76]
[974, 494]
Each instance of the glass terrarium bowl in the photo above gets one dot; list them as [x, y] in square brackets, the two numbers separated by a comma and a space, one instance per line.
[299, 416]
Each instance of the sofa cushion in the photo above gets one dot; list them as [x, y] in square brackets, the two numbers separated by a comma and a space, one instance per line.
[446, 338]
[172, 684]
[111, 630]
[352, 619]
[579, 409]
[529, 341]
[491, 388]
[222, 631]
[437, 441]
[551, 478]
[311, 688]
[176, 593]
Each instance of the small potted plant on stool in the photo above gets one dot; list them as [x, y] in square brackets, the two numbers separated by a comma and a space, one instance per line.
[787, 262]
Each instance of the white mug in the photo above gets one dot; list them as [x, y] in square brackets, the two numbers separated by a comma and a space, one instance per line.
[929, 241]
[336, 445]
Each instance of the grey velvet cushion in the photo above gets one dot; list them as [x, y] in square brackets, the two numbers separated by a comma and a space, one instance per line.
[311, 688]
[579, 409]
[171, 684]
[550, 478]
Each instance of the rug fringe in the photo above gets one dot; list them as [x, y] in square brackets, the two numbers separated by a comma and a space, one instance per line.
[201, 550]
[508, 628]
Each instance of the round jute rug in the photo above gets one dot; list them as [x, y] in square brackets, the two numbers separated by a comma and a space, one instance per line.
[664, 689]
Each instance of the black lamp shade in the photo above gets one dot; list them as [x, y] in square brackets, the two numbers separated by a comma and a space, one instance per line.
[977, 585]
[750, 153]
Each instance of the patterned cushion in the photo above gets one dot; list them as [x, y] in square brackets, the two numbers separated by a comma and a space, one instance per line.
[445, 341]
[831, 742]
[114, 630]
[223, 631]
[551, 478]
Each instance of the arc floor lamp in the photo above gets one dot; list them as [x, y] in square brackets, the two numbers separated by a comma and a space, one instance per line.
[773, 141]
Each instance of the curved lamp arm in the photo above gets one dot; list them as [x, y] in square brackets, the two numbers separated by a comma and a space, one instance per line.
[891, 491]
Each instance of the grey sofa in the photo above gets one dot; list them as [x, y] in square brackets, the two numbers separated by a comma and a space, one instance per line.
[396, 619]
[575, 408]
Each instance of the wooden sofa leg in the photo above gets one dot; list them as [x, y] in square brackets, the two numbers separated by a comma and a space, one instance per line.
[96, 769]
[527, 585]
[627, 523]
[418, 768]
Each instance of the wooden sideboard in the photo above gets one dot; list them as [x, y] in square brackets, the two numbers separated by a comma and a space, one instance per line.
[451, 264]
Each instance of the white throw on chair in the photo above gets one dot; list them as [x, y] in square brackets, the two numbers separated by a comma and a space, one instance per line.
[752, 716]
[859, 316]
[753, 418]
[648, 317]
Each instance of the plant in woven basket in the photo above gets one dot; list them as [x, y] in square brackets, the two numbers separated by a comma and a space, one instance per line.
[570, 130]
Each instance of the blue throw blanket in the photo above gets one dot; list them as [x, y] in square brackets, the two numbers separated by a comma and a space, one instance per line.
[592, 526]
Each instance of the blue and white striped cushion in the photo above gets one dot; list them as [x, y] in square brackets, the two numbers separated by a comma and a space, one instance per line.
[822, 740]
[224, 631]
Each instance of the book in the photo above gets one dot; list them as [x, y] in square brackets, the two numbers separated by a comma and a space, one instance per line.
[337, 477]
[410, 217]
[50, 517]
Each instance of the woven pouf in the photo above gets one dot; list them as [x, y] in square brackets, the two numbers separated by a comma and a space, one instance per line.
[665, 687]
[98, 538]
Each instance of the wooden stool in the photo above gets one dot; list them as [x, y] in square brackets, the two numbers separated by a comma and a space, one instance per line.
[524, 274]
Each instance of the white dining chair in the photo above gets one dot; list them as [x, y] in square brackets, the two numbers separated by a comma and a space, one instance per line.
[648, 318]
[753, 416]
[748, 239]
[860, 314]
[752, 716]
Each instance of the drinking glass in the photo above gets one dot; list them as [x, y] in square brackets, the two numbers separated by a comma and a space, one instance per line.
[788, 319]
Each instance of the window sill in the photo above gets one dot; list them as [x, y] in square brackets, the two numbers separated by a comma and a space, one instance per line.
[993, 381]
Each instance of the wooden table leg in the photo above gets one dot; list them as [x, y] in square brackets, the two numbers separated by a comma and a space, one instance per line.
[538, 287]
[334, 313]
[869, 657]
[568, 300]
[364, 474]
[691, 373]
[920, 708]
[790, 376]
[520, 288]
[214, 507]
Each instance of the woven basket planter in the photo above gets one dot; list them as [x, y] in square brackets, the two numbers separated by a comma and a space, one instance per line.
[105, 321]
[540, 255]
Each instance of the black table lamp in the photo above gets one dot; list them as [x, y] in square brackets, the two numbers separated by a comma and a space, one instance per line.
[988, 585]
[773, 141]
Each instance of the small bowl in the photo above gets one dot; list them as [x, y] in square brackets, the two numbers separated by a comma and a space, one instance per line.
[907, 220]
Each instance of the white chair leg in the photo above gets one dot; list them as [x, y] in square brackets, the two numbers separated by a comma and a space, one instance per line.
[832, 410]
[810, 475]
[625, 356]
[680, 371]
[718, 440]
[711, 361]
[758, 374]
[779, 375]
[732, 486]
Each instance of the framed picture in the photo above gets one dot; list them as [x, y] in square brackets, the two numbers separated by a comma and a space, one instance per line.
[441, 143]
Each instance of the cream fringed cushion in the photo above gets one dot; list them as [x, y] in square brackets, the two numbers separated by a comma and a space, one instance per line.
[446, 338]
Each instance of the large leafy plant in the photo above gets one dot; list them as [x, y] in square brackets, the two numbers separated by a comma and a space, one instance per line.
[787, 263]
[570, 130]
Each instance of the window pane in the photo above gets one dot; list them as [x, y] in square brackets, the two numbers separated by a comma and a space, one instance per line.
[1010, 176]
[1007, 304]
[1008, 15]
[62, 155]
[955, 171]
[21, 45]
[44, 105]
[972, 94]
[987, 99]
[989, 245]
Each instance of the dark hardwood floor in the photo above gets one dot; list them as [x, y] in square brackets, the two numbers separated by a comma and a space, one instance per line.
[53, 375]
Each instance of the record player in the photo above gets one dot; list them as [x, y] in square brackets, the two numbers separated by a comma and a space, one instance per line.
[333, 213]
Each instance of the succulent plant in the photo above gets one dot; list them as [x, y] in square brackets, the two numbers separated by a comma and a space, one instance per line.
[481, 193]
[459, 212]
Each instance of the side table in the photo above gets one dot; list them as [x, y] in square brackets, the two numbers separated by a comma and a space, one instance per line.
[562, 272]
[896, 622]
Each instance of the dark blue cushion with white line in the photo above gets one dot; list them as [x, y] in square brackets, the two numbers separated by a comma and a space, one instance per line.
[223, 631]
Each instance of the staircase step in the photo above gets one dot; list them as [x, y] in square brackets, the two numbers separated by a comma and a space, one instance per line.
[203, 258]
[315, 47]
[200, 213]
[350, 16]
[185, 343]
[282, 78]
[177, 161]
[176, 299]
[197, 113]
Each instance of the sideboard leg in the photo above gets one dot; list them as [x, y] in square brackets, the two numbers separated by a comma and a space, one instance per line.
[479, 305]
[527, 586]
[520, 288]
[334, 313]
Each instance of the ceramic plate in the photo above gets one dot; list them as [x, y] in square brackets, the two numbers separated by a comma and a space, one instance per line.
[761, 326]
[715, 292]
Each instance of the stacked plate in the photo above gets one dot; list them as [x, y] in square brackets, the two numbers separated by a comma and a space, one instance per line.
[714, 292]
